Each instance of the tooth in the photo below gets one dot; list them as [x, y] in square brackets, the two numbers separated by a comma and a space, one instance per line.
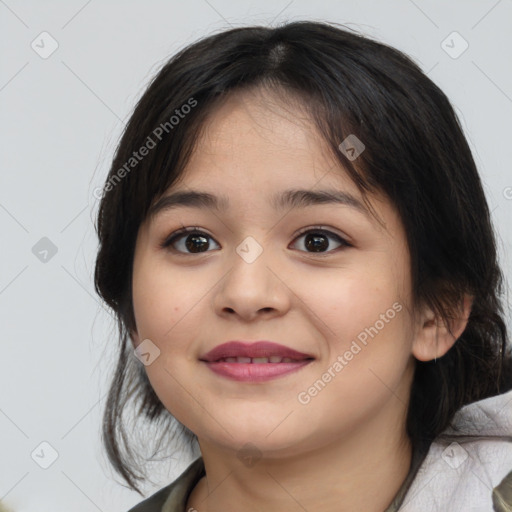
[275, 359]
[230, 359]
[243, 359]
[260, 359]
[287, 360]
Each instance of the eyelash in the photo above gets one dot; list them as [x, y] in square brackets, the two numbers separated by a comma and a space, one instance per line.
[176, 235]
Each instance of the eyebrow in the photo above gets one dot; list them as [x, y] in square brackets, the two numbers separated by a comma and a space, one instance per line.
[289, 199]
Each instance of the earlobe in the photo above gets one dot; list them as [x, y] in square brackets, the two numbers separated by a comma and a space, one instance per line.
[434, 338]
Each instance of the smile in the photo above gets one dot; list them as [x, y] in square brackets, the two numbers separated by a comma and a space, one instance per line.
[257, 360]
[256, 369]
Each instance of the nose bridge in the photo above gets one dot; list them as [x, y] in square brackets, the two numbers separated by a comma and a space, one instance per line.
[250, 265]
[250, 250]
[250, 285]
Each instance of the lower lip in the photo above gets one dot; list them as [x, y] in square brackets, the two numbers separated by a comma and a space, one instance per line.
[255, 372]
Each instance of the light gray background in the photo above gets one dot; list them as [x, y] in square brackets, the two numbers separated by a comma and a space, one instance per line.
[60, 120]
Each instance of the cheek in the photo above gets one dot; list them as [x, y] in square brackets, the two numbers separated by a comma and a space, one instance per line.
[162, 299]
[366, 366]
[366, 329]
[347, 301]
[164, 309]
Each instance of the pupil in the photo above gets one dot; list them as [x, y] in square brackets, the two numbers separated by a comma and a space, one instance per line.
[316, 242]
[195, 241]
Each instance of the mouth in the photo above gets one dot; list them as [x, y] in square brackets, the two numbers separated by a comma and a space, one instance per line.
[259, 352]
[260, 360]
[254, 362]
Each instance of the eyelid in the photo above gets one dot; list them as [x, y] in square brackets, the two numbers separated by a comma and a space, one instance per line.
[322, 228]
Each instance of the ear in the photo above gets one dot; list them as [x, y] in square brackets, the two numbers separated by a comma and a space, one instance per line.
[433, 338]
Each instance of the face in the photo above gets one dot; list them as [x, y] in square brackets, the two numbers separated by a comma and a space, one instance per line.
[325, 279]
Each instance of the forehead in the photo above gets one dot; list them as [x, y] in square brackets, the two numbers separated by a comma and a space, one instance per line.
[255, 140]
[261, 121]
[258, 147]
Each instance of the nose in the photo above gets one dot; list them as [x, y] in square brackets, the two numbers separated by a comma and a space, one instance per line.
[252, 289]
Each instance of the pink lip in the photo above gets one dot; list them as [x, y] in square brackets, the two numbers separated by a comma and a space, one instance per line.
[254, 371]
[256, 349]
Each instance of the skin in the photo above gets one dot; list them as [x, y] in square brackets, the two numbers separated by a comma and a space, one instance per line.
[346, 449]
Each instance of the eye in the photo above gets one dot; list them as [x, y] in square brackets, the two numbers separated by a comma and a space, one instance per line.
[317, 240]
[192, 238]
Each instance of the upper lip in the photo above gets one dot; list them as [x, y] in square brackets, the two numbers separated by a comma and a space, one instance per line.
[255, 349]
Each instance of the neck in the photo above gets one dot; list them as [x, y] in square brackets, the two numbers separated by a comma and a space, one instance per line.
[360, 470]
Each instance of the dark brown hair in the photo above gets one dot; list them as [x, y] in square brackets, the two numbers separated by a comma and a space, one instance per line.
[416, 154]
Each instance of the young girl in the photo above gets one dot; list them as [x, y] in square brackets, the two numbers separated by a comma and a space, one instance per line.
[297, 246]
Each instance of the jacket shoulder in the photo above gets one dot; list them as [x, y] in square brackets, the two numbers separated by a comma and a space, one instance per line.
[173, 497]
[502, 495]
[155, 502]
